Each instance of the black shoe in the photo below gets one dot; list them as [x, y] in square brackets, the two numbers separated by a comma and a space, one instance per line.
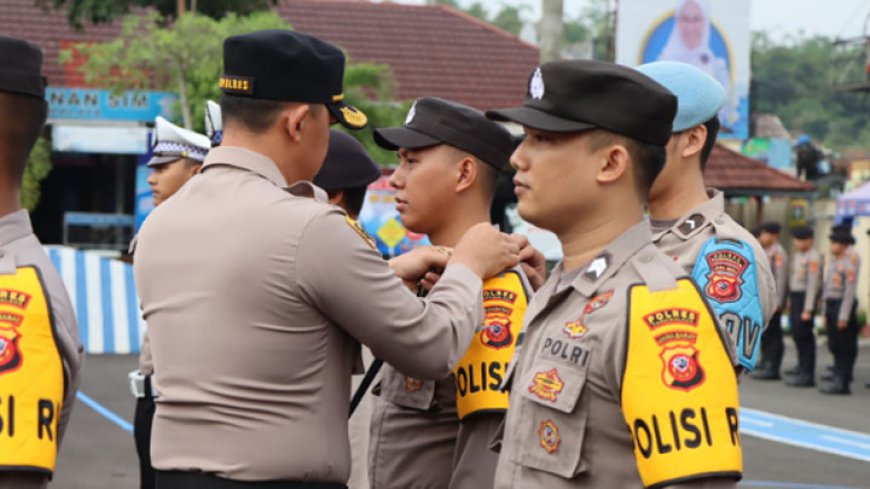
[827, 378]
[837, 387]
[801, 380]
[867, 385]
[792, 371]
[766, 374]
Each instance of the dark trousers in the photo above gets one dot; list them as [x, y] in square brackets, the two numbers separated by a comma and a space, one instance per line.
[802, 332]
[771, 344]
[142, 420]
[843, 343]
[192, 480]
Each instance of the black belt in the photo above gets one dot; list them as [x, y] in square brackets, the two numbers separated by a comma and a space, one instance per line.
[172, 479]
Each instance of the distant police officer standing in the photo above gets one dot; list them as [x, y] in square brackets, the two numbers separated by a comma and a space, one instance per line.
[177, 155]
[40, 354]
[841, 285]
[772, 346]
[689, 222]
[624, 378]
[257, 294]
[805, 283]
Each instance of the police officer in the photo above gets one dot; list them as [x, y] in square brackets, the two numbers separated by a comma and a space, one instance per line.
[620, 347]
[689, 222]
[177, 155]
[257, 294]
[346, 173]
[450, 160]
[772, 346]
[841, 285]
[40, 354]
[804, 286]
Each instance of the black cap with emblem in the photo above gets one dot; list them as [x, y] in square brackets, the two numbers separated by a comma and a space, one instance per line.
[21, 68]
[433, 121]
[841, 234]
[577, 95]
[347, 164]
[288, 66]
[802, 232]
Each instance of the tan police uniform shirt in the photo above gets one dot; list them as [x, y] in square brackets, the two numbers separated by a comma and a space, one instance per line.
[20, 247]
[593, 445]
[779, 266]
[841, 282]
[806, 277]
[682, 240]
[417, 439]
[256, 300]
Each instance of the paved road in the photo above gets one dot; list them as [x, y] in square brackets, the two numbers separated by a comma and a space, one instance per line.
[99, 454]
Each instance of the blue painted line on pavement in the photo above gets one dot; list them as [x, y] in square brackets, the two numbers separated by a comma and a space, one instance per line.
[813, 436]
[787, 485]
[104, 412]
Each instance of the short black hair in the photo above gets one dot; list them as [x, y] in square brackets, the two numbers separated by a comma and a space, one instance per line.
[22, 118]
[648, 159]
[712, 126]
[256, 115]
[353, 199]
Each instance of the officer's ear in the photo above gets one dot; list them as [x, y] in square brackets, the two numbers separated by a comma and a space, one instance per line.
[615, 160]
[295, 118]
[467, 173]
[691, 141]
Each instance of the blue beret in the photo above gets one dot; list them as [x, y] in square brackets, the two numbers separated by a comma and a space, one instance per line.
[699, 95]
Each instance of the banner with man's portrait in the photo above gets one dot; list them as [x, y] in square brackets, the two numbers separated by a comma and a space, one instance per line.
[713, 35]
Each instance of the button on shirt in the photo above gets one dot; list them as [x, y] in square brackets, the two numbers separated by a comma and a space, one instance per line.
[565, 427]
[256, 298]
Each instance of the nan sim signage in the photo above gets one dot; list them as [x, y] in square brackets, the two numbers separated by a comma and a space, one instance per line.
[103, 105]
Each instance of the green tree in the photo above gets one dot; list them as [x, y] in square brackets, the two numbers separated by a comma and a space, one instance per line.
[510, 19]
[185, 57]
[38, 167]
[98, 11]
[795, 78]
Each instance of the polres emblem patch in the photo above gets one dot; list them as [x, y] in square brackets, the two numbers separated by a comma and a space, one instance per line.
[10, 353]
[681, 369]
[497, 333]
[726, 275]
[536, 85]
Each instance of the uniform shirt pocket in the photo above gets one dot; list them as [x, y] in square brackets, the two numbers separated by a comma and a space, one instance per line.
[553, 421]
[405, 391]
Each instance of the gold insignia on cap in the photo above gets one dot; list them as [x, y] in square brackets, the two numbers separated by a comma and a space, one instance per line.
[237, 84]
[353, 116]
[338, 98]
[536, 85]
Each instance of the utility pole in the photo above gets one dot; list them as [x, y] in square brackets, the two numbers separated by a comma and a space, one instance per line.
[550, 30]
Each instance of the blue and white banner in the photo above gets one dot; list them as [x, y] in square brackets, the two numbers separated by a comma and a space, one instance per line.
[712, 35]
[103, 294]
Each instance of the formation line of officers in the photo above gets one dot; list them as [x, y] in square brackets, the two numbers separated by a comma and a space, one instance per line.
[619, 369]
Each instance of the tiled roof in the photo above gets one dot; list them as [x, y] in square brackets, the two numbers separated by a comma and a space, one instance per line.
[433, 50]
[51, 32]
[736, 174]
